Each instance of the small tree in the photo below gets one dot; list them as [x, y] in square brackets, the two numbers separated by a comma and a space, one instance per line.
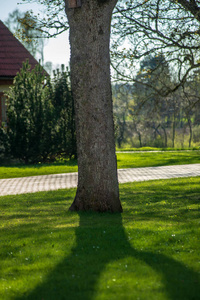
[64, 112]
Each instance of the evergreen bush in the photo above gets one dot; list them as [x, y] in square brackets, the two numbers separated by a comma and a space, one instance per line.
[64, 112]
[3, 143]
[40, 120]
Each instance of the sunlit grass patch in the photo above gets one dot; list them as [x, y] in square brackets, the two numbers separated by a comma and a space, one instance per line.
[21, 170]
[153, 159]
[151, 251]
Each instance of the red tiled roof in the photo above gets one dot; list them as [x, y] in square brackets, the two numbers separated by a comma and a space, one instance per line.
[12, 53]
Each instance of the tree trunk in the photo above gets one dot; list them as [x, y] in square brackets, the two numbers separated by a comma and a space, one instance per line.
[173, 130]
[122, 126]
[165, 136]
[90, 78]
[190, 127]
[139, 137]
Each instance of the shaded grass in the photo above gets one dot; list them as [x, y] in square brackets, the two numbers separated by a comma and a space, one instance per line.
[151, 251]
[124, 160]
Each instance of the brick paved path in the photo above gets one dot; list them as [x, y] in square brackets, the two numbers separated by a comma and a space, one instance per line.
[61, 181]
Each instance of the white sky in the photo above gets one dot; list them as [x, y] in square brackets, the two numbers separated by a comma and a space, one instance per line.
[57, 50]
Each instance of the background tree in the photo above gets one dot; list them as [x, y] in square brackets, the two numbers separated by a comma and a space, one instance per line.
[154, 27]
[26, 30]
[122, 100]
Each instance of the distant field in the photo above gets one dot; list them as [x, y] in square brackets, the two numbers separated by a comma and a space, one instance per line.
[124, 160]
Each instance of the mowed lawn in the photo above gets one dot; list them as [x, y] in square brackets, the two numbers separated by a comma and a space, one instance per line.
[149, 252]
[124, 160]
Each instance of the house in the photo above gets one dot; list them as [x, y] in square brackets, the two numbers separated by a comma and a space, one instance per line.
[12, 55]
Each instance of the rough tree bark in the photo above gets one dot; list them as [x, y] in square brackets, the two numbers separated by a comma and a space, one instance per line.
[90, 78]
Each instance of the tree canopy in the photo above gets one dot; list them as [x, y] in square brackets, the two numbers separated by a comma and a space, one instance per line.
[141, 28]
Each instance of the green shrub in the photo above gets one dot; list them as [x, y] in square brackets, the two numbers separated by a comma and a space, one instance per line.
[29, 115]
[64, 112]
[3, 143]
[40, 116]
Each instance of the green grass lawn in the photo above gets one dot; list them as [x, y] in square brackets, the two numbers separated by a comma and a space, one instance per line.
[153, 159]
[21, 170]
[156, 149]
[149, 252]
[124, 160]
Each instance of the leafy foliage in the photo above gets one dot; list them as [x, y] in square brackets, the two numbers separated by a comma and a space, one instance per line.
[24, 27]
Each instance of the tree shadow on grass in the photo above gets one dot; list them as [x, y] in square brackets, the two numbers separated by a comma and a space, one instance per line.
[99, 244]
